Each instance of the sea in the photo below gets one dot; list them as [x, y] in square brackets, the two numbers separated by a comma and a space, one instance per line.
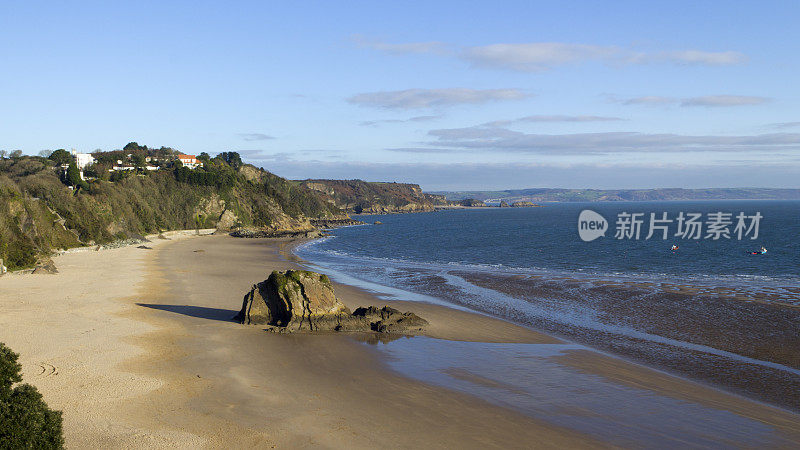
[715, 309]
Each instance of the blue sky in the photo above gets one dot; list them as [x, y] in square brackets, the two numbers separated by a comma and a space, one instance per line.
[452, 95]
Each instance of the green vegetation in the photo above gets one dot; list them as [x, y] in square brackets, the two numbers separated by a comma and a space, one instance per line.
[39, 214]
[374, 197]
[25, 419]
[60, 157]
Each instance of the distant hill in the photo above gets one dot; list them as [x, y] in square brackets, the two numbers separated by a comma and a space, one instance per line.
[366, 197]
[596, 195]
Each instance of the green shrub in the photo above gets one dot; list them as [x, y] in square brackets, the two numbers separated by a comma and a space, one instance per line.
[25, 419]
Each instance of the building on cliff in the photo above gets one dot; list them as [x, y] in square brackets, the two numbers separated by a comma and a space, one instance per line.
[189, 161]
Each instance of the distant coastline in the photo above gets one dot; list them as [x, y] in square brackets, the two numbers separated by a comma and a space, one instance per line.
[543, 195]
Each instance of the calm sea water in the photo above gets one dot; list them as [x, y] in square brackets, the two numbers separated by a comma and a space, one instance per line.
[710, 309]
[546, 239]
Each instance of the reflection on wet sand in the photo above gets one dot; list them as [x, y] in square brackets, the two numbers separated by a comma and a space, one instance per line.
[571, 386]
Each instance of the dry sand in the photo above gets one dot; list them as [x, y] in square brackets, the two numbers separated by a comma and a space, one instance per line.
[137, 348]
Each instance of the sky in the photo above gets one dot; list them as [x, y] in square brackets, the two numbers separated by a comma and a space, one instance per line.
[460, 95]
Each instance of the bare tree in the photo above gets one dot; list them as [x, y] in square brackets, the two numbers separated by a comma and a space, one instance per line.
[45, 153]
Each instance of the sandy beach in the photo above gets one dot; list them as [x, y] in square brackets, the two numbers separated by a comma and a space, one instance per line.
[137, 348]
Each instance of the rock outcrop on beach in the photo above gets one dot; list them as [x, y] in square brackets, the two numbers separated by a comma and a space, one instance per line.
[390, 320]
[304, 301]
[47, 267]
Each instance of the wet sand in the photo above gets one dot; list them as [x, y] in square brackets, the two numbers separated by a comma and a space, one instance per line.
[137, 348]
[750, 347]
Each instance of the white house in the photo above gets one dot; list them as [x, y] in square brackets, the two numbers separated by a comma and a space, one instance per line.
[189, 161]
[82, 160]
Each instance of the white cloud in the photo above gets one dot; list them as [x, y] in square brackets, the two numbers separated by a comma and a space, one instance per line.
[707, 101]
[697, 57]
[535, 57]
[784, 125]
[370, 123]
[429, 98]
[255, 136]
[550, 118]
[434, 47]
[649, 100]
[501, 139]
[541, 56]
[724, 100]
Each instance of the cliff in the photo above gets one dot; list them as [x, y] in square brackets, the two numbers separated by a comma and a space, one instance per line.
[40, 214]
[364, 197]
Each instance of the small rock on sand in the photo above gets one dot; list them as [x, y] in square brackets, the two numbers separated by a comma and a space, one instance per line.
[46, 268]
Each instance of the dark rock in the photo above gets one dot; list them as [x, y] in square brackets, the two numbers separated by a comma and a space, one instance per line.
[46, 268]
[299, 300]
[335, 222]
[145, 247]
[295, 300]
[268, 233]
[390, 320]
[137, 237]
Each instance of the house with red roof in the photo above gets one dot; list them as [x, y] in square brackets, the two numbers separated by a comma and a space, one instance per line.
[189, 161]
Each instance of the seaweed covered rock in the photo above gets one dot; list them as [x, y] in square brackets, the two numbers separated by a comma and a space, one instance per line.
[294, 300]
[390, 320]
[300, 300]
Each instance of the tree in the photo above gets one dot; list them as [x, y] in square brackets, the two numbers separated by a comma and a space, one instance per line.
[92, 171]
[16, 154]
[60, 157]
[3, 154]
[45, 153]
[73, 175]
[131, 147]
[25, 419]
[138, 160]
[205, 157]
[232, 159]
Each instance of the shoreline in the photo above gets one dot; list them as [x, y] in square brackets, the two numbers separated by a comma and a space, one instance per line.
[699, 332]
[163, 364]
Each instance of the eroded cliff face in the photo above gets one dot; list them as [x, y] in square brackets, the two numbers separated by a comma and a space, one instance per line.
[364, 197]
